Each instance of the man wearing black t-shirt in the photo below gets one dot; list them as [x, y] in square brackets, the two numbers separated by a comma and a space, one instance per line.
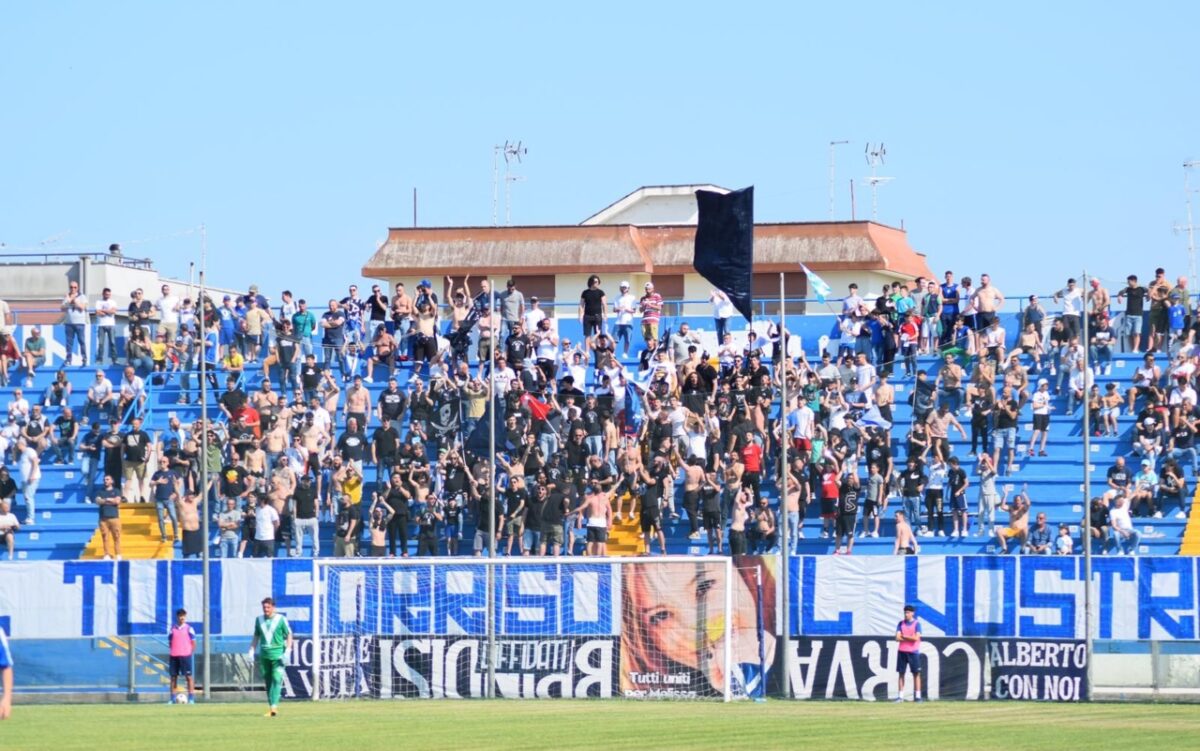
[392, 403]
[592, 305]
[304, 497]
[311, 375]
[385, 445]
[534, 503]
[1004, 448]
[517, 345]
[135, 450]
[397, 498]
[352, 445]
[552, 515]
[427, 521]
[1135, 307]
[1118, 475]
[377, 305]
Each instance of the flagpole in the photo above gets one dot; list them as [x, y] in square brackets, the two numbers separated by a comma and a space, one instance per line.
[206, 583]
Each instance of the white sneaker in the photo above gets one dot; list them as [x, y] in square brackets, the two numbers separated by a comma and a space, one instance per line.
[108, 557]
[874, 534]
[800, 534]
[1157, 514]
[369, 379]
[695, 536]
[824, 535]
[926, 533]
[29, 521]
[1180, 515]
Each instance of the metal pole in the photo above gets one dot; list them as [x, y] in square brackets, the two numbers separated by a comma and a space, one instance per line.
[727, 611]
[206, 665]
[131, 654]
[1191, 227]
[832, 175]
[491, 577]
[1087, 496]
[784, 474]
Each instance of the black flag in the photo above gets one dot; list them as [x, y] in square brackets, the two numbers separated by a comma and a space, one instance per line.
[725, 243]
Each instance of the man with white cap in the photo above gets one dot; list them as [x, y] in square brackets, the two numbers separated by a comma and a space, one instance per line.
[624, 307]
[1040, 402]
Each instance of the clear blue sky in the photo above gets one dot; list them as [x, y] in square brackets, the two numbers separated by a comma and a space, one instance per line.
[1026, 139]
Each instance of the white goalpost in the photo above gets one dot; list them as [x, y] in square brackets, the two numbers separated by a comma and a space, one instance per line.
[674, 627]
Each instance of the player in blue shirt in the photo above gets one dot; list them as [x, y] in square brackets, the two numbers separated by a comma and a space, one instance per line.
[6, 676]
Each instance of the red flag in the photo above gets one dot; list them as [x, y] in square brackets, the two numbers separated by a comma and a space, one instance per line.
[538, 409]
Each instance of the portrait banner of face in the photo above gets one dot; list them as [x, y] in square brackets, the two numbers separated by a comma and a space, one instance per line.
[694, 629]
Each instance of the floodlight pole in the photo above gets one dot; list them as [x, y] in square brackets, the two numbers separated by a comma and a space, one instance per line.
[491, 569]
[1087, 495]
[784, 475]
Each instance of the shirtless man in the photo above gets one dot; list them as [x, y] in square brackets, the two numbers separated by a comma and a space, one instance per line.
[737, 524]
[597, 512]
[693, 476]
[906, 541]
[187, 507]
[313, 438]
[939, 424]
[987, 301]
[1018, 522]
[265, 400]
[380, 516]
[358, 402]
[256, 461]
[710, 495]
[274, 443]
[629, 462]
[885, 397]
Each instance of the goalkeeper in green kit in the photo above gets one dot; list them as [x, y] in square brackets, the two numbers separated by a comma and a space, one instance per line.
[272, 639]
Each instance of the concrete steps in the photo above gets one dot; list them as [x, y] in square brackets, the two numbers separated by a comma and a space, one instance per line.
[139, 535]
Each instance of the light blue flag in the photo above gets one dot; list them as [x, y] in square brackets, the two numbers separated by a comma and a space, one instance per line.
[816, 284]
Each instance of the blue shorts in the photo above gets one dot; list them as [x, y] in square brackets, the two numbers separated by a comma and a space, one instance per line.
[1131, 325]
[181, 666]
[1006, 438]
[958, 502]
[227, 337]
[910, 660]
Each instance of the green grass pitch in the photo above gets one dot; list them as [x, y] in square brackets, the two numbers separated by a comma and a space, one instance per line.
[527, 725]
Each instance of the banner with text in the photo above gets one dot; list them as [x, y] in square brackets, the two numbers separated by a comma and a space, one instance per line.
[453, 667]
[1038, 670]
[997, 597]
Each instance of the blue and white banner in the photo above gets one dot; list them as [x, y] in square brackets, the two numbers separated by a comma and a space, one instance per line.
[1030, 597]
[63, 600]
[994, 597]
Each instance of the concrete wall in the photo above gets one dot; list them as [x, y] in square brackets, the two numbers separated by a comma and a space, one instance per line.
[652, 210]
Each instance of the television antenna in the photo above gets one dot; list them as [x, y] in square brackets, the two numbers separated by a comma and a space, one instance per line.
[833, 175]
[876, 156]
[1190, 227]
[511, 151]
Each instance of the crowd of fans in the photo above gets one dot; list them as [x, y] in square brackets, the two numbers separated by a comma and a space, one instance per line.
[670, 429]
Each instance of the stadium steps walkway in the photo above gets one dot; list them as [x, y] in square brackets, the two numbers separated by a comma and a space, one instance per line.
[625, 538]
[1191, 533]
[148, 665]
[139, 535]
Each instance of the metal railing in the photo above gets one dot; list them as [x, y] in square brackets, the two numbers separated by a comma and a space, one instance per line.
[97, 257]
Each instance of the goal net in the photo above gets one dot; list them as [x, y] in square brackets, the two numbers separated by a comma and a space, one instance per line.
[670, 627]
